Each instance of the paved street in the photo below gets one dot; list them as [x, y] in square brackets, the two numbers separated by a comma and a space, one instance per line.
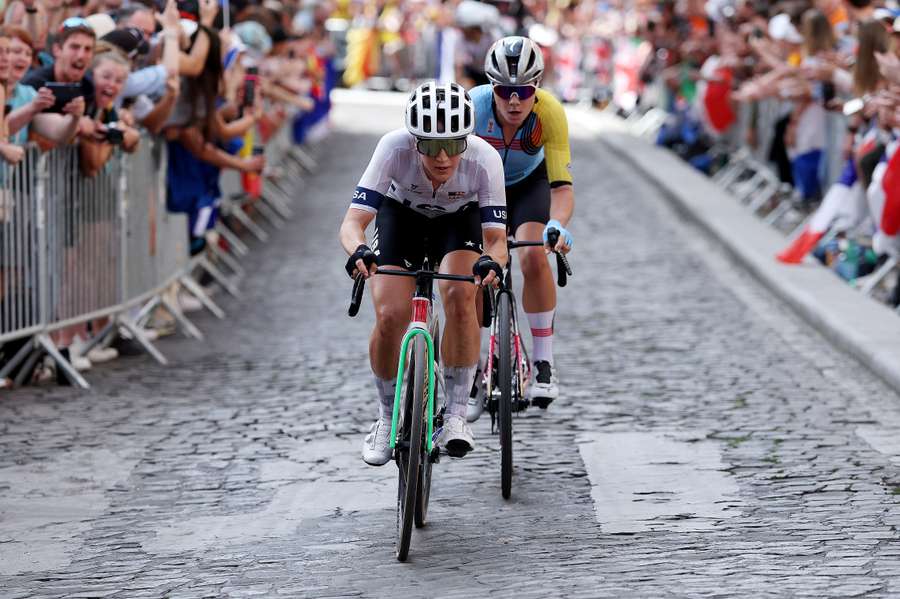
[708, 443]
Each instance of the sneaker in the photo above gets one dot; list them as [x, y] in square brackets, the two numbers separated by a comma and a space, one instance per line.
[456, 436]
[76, 357]
[99, 355]
[377, 445]
[544, 388]
[189, 303]
[475, 405]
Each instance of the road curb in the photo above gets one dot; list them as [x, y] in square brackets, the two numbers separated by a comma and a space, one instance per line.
[858, 325]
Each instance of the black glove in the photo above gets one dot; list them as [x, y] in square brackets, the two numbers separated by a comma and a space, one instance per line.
[484, 265]
[364, 253]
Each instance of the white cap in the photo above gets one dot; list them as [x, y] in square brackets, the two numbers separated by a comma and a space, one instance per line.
[101, 23]
[781, 29]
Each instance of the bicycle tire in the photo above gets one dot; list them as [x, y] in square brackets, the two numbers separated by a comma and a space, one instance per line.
[505, 374]
[408, 487]
[421, 517]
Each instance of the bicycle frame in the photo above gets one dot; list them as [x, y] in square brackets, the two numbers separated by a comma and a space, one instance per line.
[523, 366]
[420, 325]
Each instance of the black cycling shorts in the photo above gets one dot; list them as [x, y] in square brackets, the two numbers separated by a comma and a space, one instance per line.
[529, 200]
[404, 237]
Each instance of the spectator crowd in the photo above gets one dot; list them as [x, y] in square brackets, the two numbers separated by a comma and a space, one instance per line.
[809, 87]
[212, 82]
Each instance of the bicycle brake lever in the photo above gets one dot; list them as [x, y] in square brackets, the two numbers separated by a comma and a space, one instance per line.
[487, 307]
[359, 284]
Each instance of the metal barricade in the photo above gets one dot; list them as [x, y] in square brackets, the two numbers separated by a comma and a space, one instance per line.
[20, 231]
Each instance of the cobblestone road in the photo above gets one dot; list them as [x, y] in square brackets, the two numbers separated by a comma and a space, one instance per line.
[707, 444]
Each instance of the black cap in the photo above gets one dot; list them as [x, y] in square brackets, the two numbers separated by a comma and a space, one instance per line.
[129, 39]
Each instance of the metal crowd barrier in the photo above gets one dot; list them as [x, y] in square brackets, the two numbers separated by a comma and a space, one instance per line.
[75, 249]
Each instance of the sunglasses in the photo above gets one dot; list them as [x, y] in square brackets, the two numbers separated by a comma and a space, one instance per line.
[523, 91]
[433, 147]
[75, 22]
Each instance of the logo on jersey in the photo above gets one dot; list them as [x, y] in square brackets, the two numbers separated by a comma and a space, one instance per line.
[490, 127]
[456, 195]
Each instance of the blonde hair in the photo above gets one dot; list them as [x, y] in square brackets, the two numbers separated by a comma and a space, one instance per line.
[106, 51]
[818, 36]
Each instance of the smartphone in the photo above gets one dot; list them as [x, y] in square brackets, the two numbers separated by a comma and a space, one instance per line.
[250, 80]
[64, 93]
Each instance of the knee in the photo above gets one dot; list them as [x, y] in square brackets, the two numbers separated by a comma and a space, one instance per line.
[533, 261]
[459, 302]
[391, 318]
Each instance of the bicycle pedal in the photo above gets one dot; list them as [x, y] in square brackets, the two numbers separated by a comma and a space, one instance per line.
[435, 456]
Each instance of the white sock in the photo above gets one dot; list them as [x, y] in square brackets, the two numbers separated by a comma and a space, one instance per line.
[457, 384]
[541, 324]
[386, 390]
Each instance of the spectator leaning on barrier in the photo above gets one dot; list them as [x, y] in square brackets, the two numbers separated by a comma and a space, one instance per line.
[110, 71]
[73, 50]
[9, 152]
[27, 105]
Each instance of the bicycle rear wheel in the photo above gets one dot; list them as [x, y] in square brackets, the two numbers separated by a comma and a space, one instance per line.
[412, 445]
[505, 375]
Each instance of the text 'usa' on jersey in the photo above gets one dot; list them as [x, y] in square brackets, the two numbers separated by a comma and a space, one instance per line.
[395, 173]
[543, 136]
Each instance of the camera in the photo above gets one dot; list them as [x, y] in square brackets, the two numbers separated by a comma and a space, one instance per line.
[114, 135]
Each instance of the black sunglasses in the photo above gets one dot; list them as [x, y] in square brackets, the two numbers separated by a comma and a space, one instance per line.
[523, 91]
[433, 147]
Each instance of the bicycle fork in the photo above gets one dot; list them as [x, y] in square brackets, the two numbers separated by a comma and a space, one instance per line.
[417, 328]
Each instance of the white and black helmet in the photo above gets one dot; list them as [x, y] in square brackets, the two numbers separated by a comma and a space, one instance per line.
[440, 111]
[514, 60]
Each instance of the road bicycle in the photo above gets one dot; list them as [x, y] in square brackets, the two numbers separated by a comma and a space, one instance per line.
[414, 419]
[508, 368]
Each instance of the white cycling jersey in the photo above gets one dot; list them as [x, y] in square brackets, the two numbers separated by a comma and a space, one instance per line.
[396, 172]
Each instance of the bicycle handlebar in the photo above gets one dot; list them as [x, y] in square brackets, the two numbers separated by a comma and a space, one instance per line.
[563, 269]
[359, 285]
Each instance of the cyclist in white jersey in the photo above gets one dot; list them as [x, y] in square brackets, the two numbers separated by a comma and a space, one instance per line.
[435, 191]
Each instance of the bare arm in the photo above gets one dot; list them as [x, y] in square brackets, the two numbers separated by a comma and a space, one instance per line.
[562, 203]
[353, 229]
[495, 244]
[191, 64]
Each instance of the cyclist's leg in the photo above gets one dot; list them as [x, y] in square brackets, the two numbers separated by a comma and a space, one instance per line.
[529, 213]
[391, 300]
[460, 344]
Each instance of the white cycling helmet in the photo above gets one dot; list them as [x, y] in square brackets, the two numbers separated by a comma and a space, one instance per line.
[440, 111]
[514, 60]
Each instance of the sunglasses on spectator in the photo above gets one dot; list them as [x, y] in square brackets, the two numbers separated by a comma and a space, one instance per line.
[523, 91]
[433, 147]
[75, 22]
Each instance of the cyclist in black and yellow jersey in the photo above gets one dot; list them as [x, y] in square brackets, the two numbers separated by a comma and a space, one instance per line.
[528, 127]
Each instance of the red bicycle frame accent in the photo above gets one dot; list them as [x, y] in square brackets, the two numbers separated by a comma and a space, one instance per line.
[420, 306]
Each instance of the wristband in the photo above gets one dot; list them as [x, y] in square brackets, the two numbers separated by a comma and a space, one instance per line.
[32, 10]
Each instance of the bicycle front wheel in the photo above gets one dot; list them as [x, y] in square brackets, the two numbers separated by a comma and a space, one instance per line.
[505, 375]
[412, 445]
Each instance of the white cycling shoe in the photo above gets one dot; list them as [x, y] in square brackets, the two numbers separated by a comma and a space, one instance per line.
[455, 436]
[544, 386]
[377, 445]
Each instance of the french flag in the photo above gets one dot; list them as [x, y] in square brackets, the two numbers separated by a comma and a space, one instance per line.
[843, 206]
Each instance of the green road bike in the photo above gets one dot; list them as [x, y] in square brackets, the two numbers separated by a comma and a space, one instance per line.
[414, 418]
